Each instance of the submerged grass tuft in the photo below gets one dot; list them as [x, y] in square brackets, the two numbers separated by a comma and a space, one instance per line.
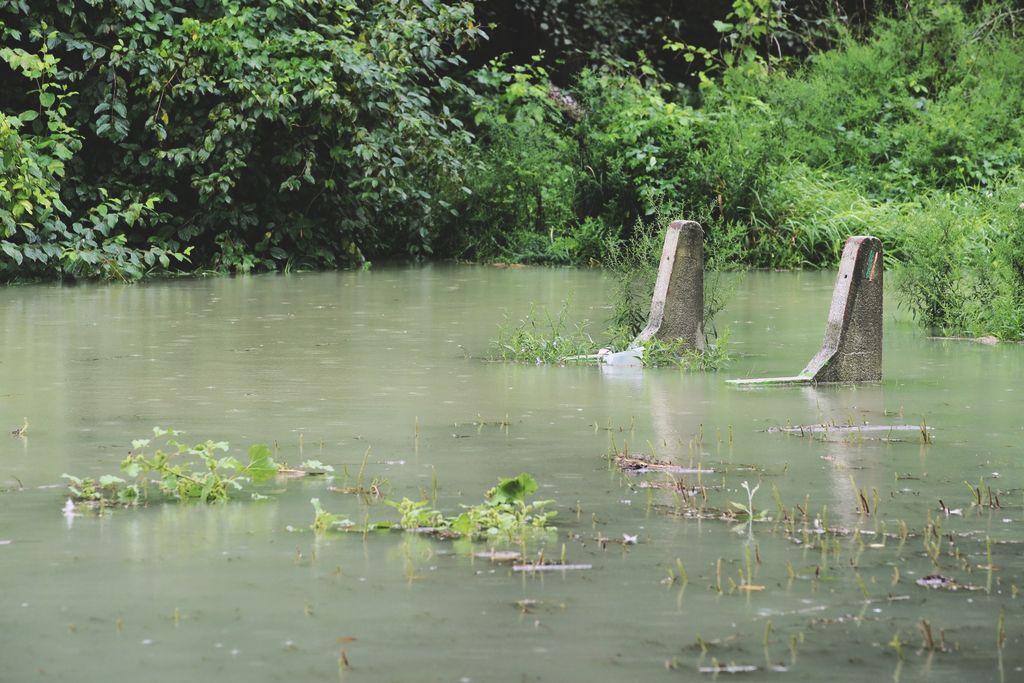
[542, 338]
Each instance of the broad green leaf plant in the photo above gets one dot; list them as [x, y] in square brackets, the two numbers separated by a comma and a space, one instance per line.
[176, 470]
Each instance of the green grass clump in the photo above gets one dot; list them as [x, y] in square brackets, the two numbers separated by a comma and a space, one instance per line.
[805, 215]
[658, 352]
[542, 338]
[964, 270]
[546, 339]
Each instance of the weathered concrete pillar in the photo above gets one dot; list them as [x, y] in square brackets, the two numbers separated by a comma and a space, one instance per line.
[852, 348]
[677, 307]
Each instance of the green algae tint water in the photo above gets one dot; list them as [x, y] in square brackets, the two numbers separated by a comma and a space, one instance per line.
[392, 362]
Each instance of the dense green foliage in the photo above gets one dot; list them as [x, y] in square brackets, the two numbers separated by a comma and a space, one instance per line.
[142, 136]
[802, 155]
[259, 134]
[912, 133]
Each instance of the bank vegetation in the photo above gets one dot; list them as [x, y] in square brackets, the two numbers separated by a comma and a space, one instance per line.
[143, 137]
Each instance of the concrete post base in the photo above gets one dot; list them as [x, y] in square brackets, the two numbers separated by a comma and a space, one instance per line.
[852, 348]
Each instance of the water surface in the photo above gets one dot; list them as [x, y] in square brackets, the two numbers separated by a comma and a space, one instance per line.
[393, 361]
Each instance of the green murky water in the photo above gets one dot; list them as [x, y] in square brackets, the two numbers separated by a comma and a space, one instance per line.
[336, 364]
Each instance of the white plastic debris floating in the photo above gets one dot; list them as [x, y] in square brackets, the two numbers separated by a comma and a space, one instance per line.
[633, 357]
[630, 358]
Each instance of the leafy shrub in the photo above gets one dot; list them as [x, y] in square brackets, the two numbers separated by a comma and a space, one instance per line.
[933, 99]
[37, 146]
[269, 134]
[634, 144]
[522, 186]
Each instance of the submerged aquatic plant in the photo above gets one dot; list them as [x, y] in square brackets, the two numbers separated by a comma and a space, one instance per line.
[504, 513]
[108, 488]
[315, 467]
[176, 470]
[747, 512]
[416, 514]
[323, 520]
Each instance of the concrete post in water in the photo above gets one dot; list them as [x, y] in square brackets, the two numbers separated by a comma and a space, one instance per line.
[852, 348]
[677, 307]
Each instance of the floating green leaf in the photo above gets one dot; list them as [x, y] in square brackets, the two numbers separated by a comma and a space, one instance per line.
[261, 465]
[512, 490]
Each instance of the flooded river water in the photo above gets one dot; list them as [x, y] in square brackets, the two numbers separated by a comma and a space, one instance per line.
[393, 361]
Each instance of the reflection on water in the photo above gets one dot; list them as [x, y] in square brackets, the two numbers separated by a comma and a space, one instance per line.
[327, 366]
